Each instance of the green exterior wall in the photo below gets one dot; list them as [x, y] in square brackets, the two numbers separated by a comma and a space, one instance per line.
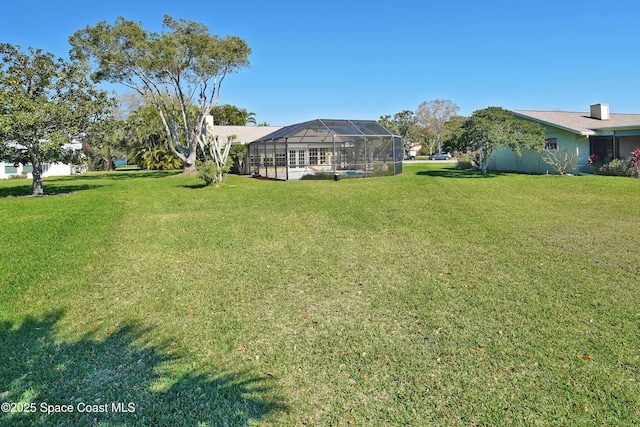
[532, 161]
[9, 168]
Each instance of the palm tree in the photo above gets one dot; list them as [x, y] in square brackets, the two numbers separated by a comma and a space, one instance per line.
[247, 117]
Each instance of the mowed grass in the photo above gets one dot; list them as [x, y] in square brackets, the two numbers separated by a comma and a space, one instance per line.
[437, 297]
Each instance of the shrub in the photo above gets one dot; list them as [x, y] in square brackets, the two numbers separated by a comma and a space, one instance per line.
[560, 159]
[156, 159]
[635, 156]
[381, 172]
[465, 161]
[207, 171]
[23, 175]
[210, 173]
[99, 163]
[617, 167]
[317, 176]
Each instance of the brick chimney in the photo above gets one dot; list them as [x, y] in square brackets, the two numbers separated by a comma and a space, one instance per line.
[600, 111]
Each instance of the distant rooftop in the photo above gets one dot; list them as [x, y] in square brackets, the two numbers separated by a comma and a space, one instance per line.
[239, 134]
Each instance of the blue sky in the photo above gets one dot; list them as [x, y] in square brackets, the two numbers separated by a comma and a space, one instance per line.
[363, 59]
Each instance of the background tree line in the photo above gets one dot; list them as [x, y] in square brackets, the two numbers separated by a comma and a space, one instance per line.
[436, 126]
[135, 133]
[427, 130]
[46, 103]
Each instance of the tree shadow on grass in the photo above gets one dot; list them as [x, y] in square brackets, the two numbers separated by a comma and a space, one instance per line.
[120, 175]
[49, 190]
[194, 186]
[62, 184]
[458, 173]
[116, 380]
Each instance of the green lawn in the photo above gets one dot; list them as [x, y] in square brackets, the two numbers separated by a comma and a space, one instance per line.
[437, 297]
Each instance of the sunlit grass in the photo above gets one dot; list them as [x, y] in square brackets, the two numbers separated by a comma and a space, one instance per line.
[437, 297]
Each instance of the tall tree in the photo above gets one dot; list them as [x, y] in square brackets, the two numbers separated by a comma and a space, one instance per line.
[433, 116]
[387, 122]
[105, 143]
[129, 102]
[44, 103]
[230, 115]
[493, 128]
[453, 129]
[404, 124]
[184, 65]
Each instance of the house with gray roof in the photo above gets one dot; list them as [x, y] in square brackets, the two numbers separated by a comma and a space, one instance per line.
[597, 132]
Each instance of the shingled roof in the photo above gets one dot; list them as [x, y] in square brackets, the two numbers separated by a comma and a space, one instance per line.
[242, 134]
[581, 123]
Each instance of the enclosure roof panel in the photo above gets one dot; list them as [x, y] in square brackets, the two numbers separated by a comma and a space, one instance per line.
[325, 130]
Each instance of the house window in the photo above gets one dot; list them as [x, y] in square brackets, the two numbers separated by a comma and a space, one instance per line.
[313, 156]
[323, 156]
[551, 143]
[296, 161]
[268, 157]
[10, 168]
[281, 158]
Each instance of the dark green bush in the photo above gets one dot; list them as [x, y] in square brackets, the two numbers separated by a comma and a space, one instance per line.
[465, 162]
[317, 176]
[617, 167]
[156, 159]
[100, 163]
[207, 171]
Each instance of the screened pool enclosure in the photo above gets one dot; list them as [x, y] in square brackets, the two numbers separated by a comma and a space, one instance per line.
[331, 148]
